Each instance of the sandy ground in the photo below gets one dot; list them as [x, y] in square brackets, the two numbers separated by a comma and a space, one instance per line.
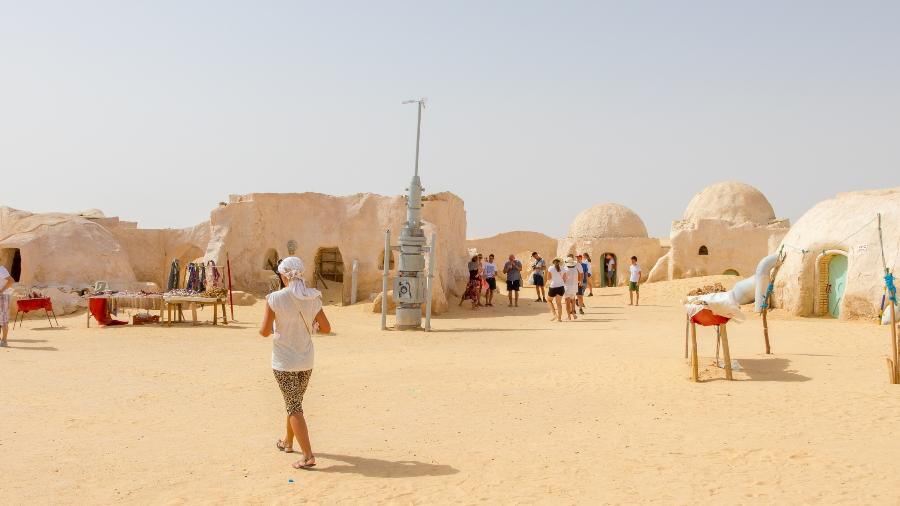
[496, 406]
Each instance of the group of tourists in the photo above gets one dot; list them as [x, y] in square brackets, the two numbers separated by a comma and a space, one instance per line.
[483, 281]
[564, 281]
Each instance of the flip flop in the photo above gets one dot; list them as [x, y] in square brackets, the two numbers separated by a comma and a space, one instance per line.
[282, 447]
[305, 464]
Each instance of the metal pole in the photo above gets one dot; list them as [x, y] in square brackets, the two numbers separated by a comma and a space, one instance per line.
[429, 289]
[384, 278]
[418, 135]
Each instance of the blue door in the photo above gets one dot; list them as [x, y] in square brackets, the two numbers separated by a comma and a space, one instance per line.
[837, 281]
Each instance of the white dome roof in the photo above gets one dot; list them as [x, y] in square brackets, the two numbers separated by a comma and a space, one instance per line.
[608, 220]
[730, 201]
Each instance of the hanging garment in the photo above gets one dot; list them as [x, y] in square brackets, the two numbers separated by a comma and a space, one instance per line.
[213, 272]
[174, 275]
[201, 277]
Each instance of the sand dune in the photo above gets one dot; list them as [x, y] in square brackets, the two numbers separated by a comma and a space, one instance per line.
[497, 406]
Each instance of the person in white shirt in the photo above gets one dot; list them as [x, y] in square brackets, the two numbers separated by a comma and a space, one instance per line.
[634, 283]
[6, 282]
[490, 276]
[610, 270]
[573, 278]
[292, 314]
[557, 279]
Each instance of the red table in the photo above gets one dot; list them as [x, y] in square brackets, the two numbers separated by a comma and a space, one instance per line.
[27, 305]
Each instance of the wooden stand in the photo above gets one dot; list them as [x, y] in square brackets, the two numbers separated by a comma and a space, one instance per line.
[726, 351]
[175, 306]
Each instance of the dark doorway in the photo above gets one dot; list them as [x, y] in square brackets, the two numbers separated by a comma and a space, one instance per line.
[610, 270]
[330, 265]
[12, 260]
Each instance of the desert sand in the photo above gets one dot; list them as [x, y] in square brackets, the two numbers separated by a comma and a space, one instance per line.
[495, 406]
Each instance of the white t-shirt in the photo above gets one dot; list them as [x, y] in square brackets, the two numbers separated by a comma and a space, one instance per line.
[556, 277]
[490, 270]
[292, 346]
[571, 281]
[635, 273]
[4, 275]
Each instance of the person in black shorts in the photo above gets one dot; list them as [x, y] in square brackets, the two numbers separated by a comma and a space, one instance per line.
[513, 271]
[490, 276]
[538, 274]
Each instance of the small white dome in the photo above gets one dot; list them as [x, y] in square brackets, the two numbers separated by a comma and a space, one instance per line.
[730, 201]
[608, 220]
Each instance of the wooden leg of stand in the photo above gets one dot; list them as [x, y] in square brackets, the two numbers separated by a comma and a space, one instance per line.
[766, 331]
[193, 313]
[224, 317]
[726, 351]
[890, 365]
[687, 325]
[695, 363]
[215, 314]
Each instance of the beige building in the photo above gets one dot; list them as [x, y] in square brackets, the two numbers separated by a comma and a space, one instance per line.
[727, 228]
[610, 229]
[331, 234]
[834, 264]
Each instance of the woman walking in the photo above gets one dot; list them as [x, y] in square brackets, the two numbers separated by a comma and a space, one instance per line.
[473, 288]
[589, 273]
[292, 315]
[557, 289]
[571, 275]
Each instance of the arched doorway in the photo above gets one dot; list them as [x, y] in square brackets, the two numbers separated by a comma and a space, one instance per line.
[11, 258]
[610, 270]
[731, 272]
[329, 275]
[270, 263]
[831, 281]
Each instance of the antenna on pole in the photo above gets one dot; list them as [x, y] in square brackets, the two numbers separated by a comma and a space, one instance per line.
[421, 103]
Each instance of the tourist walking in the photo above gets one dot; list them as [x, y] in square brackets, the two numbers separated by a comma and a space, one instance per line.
[572, 278]
[538, 272]
[556, 277]
[634, 283]
[473, 287]
[292, 314]
[589, 272]
[513, 271]
[490, 276]
[582, 280]
[6, 282]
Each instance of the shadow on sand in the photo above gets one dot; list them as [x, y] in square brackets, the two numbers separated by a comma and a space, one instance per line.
[377, 468]
[770, 369]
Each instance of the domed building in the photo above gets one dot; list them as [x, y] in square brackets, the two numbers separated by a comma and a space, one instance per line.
[727, 228]
[840, 272]
[610, 230]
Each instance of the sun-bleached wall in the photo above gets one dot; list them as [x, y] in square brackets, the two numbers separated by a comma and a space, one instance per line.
[250, 225]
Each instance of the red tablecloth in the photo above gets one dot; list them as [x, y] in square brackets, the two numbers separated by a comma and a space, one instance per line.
[98, 309]
[26, 305]
[707, 318]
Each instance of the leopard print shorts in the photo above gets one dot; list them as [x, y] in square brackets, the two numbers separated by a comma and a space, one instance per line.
[293, 385]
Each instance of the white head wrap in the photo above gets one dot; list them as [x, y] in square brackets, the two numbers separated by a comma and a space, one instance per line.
[292, 269]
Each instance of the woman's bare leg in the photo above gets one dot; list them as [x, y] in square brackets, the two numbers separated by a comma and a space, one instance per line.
[288, 440]
[301, 431]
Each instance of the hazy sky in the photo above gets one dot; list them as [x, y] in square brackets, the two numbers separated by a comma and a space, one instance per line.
[155, 111]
